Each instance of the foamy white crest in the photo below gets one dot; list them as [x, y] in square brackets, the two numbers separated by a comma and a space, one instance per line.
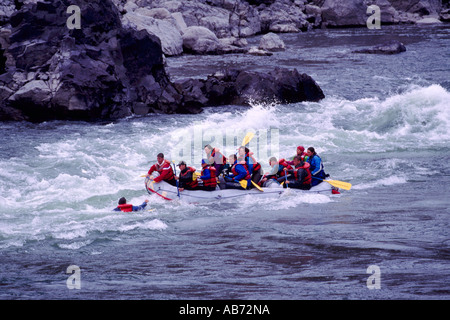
[154, 224]
[381, 182]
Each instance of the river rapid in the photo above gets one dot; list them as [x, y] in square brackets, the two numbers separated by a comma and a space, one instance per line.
[384, 126]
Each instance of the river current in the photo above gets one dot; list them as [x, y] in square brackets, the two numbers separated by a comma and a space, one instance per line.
[384, 127]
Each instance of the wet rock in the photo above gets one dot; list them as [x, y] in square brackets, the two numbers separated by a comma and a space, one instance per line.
[271, 42]
[241, 87]
[428, 20]
[255, 51]
[391, 47]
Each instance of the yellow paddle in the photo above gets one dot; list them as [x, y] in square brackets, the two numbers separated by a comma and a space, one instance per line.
[249, 136]
[243, 183]
[337, 183]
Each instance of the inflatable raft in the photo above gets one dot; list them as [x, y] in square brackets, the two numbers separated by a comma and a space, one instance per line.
[169, 192]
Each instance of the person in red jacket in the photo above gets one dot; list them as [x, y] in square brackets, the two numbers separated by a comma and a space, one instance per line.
[164, 169]
[300, 176]
[208, 176]
[300, 152]
[128, 207]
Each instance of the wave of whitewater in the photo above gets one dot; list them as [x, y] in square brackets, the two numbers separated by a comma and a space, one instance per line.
[61, 180]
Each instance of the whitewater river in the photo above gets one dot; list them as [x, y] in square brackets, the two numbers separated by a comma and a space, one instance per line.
[384, 126]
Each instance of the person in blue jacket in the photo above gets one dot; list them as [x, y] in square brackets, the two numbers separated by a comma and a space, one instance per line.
[127, 207]
[239, 172]
[316, 167]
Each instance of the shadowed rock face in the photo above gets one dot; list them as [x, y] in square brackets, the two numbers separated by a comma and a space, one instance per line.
[106, 71]
[99, 71]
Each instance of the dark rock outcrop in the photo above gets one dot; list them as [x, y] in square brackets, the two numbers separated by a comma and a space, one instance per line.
[391, 47]
[241, 87]
[99, 71]
[104, 70]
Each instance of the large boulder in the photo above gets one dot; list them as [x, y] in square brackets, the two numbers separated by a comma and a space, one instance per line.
[240, 87]
[336, 13]
[158, 22]
[391, 47]
[271, 42]
[283, 16]
[100, 71]
[200, 40]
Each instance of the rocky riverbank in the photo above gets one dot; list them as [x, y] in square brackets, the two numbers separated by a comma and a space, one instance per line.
[113, 65]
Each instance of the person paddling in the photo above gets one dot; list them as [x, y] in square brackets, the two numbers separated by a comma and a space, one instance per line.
[300, 152]
[239, 174]
[128, 207]
[317, 171]
[208, 176]
[245, 156]
[300, 176]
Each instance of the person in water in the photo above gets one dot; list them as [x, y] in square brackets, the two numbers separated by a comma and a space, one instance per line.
[164, 169]
[316, 167]
[208, 176]
[186, 179]
[300, 176]
[215, 158]
[239, 172]
[127, 207]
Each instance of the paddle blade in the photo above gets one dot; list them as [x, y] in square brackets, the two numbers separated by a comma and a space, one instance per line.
[249, 136]
[195, 175]
[339, 184]
[243, 184]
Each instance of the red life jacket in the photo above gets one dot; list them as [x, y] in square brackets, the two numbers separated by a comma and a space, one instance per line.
[308, 172]
[255, 166]
[235, 173]
[192, 183]
[211, 182]
[126, 207]
[165, 171]
[283, 163]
